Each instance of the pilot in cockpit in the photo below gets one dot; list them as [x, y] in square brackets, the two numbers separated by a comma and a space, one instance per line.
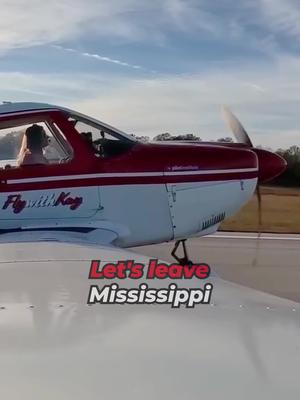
[33, 143]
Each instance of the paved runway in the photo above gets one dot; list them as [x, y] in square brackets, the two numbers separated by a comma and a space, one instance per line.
[270, 264]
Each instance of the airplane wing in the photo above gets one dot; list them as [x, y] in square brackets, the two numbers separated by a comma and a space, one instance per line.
[53, 345]
[93, 233]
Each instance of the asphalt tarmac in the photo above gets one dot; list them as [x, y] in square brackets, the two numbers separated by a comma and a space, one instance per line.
[270, 264]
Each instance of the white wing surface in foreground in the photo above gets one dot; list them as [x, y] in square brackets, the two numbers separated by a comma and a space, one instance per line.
[245, 345]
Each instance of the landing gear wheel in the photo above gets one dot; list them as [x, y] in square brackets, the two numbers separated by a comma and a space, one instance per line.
[185, 260]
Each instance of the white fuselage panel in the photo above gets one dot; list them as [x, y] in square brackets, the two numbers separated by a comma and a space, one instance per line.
[151, 213]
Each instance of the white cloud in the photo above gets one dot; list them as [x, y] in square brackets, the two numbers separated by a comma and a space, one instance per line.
[281, 16]
[265, 98]
[98, 57]
[33, 22]
[192, 16]
[27, 23]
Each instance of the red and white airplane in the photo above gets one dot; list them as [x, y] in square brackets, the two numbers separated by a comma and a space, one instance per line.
[94, 197]
[103, 186]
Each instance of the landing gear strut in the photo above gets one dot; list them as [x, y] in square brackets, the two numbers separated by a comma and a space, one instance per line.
[185, 260]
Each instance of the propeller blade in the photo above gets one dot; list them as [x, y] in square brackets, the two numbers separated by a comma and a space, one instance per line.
[259, 203]
[236, 127]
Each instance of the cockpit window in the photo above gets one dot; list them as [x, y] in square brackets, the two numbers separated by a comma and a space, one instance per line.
[35, 143]
[105, 141]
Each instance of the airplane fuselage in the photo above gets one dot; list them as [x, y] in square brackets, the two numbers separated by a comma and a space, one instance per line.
[178, 201]
[139, 193]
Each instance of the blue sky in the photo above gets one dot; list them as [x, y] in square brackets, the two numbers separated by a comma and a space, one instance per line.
[162, 65]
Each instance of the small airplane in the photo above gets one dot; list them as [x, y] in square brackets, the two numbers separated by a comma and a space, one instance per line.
[102, 191]
[103, 186]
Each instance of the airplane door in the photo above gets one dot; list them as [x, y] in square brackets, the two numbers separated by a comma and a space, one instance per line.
[53, 190]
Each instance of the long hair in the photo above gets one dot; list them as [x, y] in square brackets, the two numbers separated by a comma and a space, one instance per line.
[23, 149]
[32, 140]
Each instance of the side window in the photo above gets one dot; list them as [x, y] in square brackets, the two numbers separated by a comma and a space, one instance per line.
[67, 148]
[58, 148]
[54, 152]
[104, 141]
[10, 145]
[96, 133]
[55, 149]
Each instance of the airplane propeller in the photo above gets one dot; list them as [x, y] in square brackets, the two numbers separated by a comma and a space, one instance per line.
[242, 136]
[236, 127]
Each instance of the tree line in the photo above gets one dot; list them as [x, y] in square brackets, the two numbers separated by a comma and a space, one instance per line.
[291, 177]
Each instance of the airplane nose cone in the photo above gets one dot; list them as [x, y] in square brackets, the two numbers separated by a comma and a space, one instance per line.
[271, 165]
